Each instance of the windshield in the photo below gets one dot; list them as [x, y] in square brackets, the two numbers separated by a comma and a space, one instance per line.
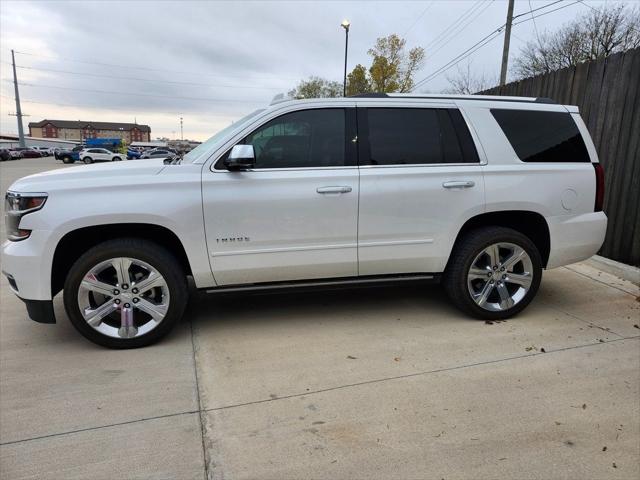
[204, 147]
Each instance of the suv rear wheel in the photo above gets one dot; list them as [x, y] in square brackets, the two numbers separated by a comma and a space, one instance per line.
[125, 293]
[494, 273]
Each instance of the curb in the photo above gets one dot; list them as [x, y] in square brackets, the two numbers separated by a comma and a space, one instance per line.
[621, 270]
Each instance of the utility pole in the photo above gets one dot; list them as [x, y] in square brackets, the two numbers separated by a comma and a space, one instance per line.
[18, 109]
[181, 132]
[507, 39]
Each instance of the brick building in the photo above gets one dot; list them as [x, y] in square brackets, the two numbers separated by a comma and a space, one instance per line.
[80, 130]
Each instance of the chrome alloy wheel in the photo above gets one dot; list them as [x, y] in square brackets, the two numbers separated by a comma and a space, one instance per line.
[500, 276]
[123, 297]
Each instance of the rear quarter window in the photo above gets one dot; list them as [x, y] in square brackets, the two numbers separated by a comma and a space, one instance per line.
[538, 136]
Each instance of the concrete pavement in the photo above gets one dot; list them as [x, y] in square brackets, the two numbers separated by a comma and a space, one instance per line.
[369, 383]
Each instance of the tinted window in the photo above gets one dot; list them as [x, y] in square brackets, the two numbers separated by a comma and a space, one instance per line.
[410, 136]
[542, 136]
[309, 138]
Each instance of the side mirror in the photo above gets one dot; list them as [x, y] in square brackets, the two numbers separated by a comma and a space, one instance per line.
[241, 157]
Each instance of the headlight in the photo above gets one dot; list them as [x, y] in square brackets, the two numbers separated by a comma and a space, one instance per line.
[16, 206]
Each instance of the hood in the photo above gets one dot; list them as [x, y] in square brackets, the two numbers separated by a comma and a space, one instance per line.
[86, 174]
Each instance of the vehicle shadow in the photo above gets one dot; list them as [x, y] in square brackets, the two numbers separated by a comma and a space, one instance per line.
[427, 300]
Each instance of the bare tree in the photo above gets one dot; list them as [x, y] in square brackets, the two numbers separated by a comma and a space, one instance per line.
[466, 82]
[597, 34]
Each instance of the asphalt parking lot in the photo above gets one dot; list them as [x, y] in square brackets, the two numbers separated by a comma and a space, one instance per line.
[369, 383]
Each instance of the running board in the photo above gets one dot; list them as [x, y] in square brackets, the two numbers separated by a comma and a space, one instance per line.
[324, 283]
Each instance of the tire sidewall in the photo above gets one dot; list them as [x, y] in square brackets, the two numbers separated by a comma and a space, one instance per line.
[481, 240]
[87, 160]
[148, 252]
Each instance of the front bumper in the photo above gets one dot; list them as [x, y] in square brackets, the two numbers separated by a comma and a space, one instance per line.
[28, 272]
[40, 311]
[28, 263]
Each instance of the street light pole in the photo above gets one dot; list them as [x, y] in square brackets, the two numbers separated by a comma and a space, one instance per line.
[345, 24]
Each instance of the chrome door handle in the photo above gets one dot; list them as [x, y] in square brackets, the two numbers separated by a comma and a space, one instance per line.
[459, 184]
[325, 190]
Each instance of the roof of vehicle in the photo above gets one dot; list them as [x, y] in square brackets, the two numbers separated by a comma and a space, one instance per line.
[421, 96]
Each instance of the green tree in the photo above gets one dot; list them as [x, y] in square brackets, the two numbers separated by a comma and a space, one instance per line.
[358, 81]
[316, 87]
[123, 146]
[393, 68]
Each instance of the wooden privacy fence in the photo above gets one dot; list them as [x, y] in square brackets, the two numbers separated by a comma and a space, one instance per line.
[607, 93]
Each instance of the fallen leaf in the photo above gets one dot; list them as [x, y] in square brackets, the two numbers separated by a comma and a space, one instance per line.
[558, 423]
[636, 326]
[351, 358]
[396, 359]
[543, 350]
[528, 349]
[488, 322]
[614, 465]
[584, 406]
[604, 449]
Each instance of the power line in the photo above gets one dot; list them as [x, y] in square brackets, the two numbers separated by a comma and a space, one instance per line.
[462, 27]
[476, 46]
[139, 94]
[85, 105]
[450, 28]
[484, 41]
[536, 9]
[535, 27]
[418, 18]
[140, 79]
[143, 68]
[546, 13]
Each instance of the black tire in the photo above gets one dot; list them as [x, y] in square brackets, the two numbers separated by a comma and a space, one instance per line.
[87, 160]
[116, 159]
[464, 253]
[156, 256]
[67, 159]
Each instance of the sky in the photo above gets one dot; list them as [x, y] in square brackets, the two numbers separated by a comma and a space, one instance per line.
[213, 62]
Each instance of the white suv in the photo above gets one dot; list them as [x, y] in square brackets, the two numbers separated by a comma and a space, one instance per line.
[481, 192]
[90, 155]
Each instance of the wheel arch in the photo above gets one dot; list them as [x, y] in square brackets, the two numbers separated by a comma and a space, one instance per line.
[531, 224]
[74, 243]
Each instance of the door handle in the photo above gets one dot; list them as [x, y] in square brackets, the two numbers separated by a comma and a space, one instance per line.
[325, 190]
[459, 184]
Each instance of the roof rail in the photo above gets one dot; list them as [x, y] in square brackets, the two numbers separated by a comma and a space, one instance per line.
[440, 96]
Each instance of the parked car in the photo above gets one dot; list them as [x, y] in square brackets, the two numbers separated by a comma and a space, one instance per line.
[133, 154]
[479, 192]
[28, 152]
[69, 156]
[4, 154]
[44, 151]
[16, 154]
[90, 155]
[159, 153]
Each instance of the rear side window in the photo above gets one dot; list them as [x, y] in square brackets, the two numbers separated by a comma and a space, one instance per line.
[542, 136]
[413, 136]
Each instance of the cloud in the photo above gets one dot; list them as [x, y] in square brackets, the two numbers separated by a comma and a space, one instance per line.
[225, 58]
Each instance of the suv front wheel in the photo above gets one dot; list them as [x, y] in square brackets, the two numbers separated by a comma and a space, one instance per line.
[494, 273]
[125, 293]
